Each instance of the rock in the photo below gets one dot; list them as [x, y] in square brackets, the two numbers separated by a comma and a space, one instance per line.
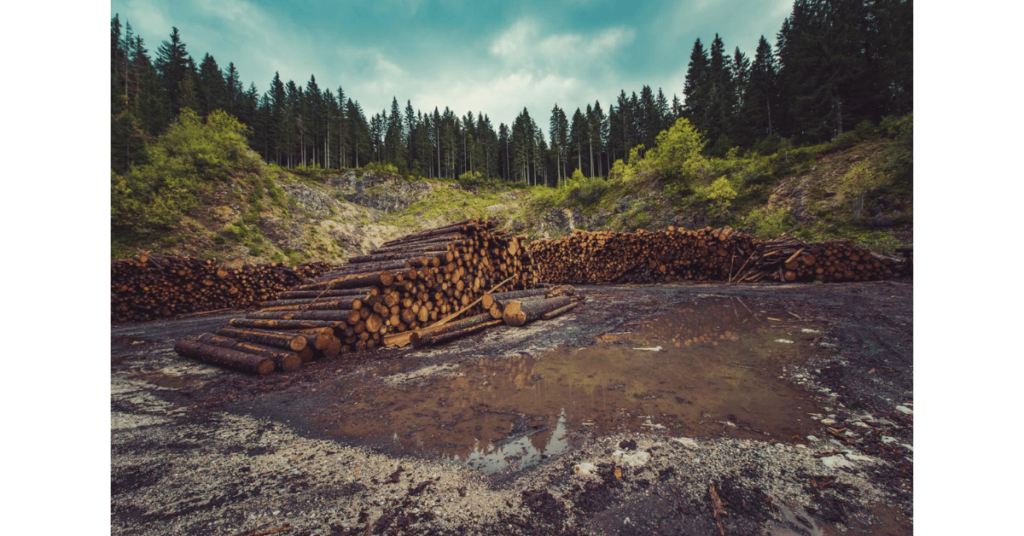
[636, 459]
[686, 442]
[585, 469]
[904, 409]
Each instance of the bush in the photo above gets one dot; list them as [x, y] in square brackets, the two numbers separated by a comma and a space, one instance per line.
[587, 191]
[767, 224]
[380, 168]
[718, 197]
[183, 164]
[865, 129]
[677, 156]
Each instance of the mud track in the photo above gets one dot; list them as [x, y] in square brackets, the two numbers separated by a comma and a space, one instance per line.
[196, 449]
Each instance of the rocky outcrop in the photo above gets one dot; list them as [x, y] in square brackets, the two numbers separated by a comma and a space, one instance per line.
[384, 193]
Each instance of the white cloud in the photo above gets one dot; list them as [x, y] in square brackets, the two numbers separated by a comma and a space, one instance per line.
[524, 47]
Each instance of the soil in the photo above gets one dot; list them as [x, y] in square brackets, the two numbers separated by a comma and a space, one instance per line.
[794, 402]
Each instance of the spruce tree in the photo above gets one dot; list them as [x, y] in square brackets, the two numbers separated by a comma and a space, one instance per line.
[213, 92]
[695, 90]
[172, 62]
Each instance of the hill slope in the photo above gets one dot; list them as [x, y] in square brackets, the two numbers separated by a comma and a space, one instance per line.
[859, 187]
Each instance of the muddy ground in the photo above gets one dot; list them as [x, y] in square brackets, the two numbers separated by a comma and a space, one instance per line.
[792, 405]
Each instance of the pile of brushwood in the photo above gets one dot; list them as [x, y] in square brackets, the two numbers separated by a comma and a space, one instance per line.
[724, 254]
[148, 287]
[421, 289]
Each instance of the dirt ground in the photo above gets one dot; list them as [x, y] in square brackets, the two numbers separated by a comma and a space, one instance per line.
[669, 409]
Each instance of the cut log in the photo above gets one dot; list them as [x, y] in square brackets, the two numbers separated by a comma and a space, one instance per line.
[331, 316]
[518, 313]
[422, 338]
[283, 361]
[225, 357]
[559, 311]
[278, 339]
[294, 294]
[384, 279]
[283, 325]
[455, 334]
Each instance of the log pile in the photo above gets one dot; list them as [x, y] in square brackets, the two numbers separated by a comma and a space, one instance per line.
[788, 259]
[408, 284]
[673, 254]
[706, 254]
[148, 287]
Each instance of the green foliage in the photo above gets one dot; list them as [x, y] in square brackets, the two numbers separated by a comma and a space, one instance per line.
[677, 156]
[845, 140]
[718, 197]
[767, 224]
[860, 180]
[577, 177]
[634, 154]
[865, 129]
[470, 176]
[898, 159]
[380, 168]
[587, 191]
[183, 164]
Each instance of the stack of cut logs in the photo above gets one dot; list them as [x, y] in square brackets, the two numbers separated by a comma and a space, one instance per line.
[147, 287]
[408, 287]
[790, 259]
[642, 257]
[703, 255]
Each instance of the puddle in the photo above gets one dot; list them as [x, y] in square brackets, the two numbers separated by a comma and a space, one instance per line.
[709, 369]
[162, 379]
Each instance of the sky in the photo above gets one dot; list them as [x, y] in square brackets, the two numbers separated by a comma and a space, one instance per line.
[495, 57]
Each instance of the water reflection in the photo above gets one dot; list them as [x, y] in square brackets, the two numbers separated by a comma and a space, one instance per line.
[716, 374]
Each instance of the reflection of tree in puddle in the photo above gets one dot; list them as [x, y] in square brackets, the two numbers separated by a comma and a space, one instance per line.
[718, 364]
[519, 452]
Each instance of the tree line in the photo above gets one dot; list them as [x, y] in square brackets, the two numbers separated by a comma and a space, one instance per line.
[834, 64]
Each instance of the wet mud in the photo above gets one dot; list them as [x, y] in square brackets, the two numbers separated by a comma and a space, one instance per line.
[711, 367]
[793, 401]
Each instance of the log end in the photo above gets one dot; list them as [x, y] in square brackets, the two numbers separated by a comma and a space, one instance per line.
[513, 314]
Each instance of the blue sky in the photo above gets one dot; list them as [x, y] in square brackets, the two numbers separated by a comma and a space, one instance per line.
[489, 56]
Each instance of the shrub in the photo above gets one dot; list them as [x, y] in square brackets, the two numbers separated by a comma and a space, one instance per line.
[677, 156]
[718, 197]
[766, 224]
[380, 168]
[183, 163]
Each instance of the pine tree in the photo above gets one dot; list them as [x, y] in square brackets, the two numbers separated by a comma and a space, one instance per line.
[761, 95]
[578, 136]
[695, 91]
[213, 91]
[233, 85]
[598, 135]
[172, 62]
[721, 96]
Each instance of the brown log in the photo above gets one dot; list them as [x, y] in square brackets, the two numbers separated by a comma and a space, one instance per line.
[288, 341]
[283, 325]
[361, 292]
[518, 313]
[559, 311]
[501, 298]
[424, 337]
[331, 316]
[384, 279]
[455, 334]
[329, 303]
[283, 361]
[225, 357]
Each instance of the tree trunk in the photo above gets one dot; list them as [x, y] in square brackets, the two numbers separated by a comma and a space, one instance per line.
[518, 313]
[225, 357]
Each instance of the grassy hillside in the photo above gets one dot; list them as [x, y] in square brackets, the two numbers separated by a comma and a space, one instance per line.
[859, 186]
[203, 193]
